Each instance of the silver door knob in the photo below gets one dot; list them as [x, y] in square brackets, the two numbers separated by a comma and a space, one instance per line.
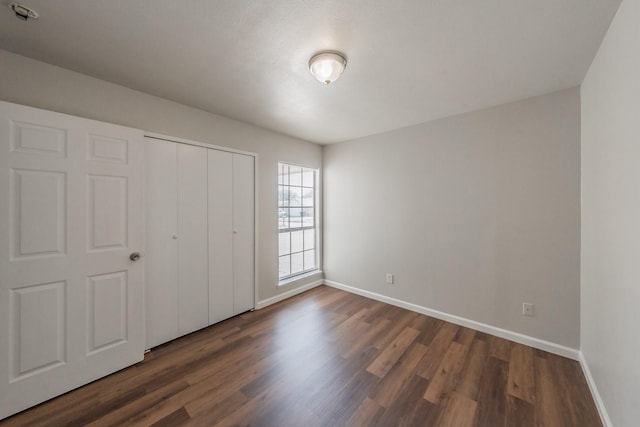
[134, 256]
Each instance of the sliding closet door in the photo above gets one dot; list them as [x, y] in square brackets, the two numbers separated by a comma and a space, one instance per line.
[193, 259]
[200, 238]
[243, 232]
[161, 244]
[231, 234]
[220, 236]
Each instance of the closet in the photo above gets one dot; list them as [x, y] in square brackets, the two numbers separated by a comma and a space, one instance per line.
[199, 254]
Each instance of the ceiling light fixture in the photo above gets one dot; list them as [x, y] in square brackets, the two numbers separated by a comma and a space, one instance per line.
[327, 66]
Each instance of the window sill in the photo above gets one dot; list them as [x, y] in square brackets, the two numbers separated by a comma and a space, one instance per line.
[295, 279]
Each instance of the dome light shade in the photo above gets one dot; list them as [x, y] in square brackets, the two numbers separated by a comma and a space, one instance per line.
[327, 66]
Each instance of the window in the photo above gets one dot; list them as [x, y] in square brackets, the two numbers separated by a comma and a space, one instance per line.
[296, 220]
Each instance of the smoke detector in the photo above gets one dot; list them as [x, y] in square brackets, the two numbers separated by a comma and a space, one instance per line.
[23, 12]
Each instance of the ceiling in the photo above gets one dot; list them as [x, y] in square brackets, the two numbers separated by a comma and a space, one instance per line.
[409, 61]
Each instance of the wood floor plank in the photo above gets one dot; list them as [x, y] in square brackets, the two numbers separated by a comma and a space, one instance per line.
[365, 339]
[548, 408]
[492, 394]
[437, 349]
[376, 311]
[398, 321]
[177, 417]
[119, 415]
[430, 330]
[338, 378]
[394, 382]
[338, 406]
[352, 328]
[227, 360]
[459, 412]
[51, 413]
[330, 358]
[393, 352]
[410, 409]
[366, 414]
[205, 409]
[448, 374]
[521, 380]
[474, 368]
[216, 381]
[255, 408]
[329, 298]
[518, 412]
[500, 348]
[465, 336]
[291, 370]
[352, 306]
[290, 415]
[338, 304]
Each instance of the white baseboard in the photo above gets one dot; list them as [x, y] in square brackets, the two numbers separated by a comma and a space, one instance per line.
[283, 296]
[602, 410]
[472, 324]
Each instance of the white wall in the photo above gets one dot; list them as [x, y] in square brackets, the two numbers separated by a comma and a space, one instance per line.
[33, 83]
[610, 289]
[473, 214]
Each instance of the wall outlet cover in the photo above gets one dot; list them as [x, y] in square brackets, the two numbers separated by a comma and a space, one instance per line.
[527, 309]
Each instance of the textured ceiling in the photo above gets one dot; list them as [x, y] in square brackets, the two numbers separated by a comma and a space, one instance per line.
[408, 61]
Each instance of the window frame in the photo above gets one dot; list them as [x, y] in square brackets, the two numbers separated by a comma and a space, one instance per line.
[315, 226]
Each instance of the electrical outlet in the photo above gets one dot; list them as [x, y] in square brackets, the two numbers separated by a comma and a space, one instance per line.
[527, 309]
[389, 279]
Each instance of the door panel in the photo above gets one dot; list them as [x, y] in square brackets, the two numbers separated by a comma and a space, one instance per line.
[37, 343]
[193, 271]
[243, 225]
[107, 308]
[106, 149]
[71, 212]
[220, 236]
[34, 192]
[161, 241]
[107, 205]
[37, 139]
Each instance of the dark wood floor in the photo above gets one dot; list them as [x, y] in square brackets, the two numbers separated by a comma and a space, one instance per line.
[330, 358]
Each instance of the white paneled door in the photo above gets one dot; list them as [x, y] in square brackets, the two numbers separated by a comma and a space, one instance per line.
[71, 284]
